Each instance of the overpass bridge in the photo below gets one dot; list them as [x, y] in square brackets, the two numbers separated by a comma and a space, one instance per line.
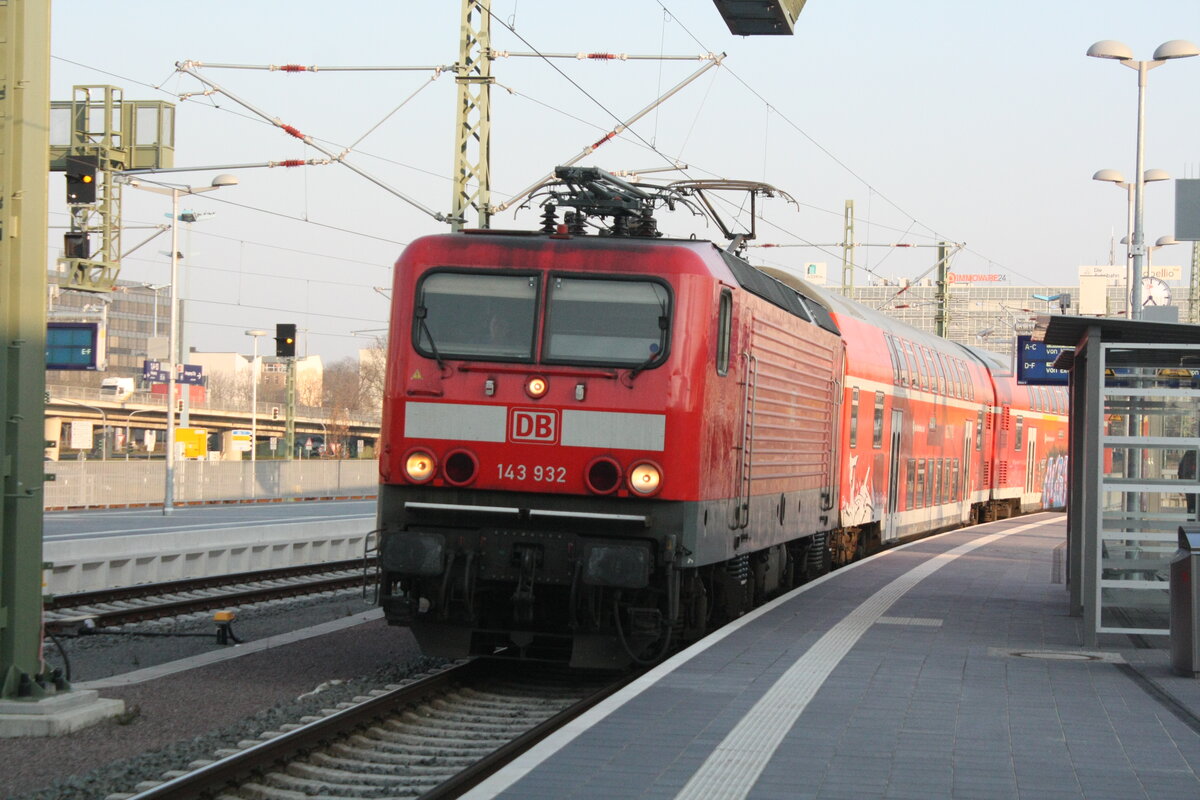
[135, 427]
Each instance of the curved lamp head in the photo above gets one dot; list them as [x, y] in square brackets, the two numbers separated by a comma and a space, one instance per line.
[225, 179]
[1111, 49]
[1176, 48]
[1155, 175]
[1110, 175]
[1163, 241]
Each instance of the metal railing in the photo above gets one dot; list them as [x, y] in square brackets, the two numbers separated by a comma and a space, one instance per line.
[143, 398]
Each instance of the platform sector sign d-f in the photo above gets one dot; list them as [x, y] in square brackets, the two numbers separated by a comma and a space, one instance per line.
[157, 372]
[1034, 360]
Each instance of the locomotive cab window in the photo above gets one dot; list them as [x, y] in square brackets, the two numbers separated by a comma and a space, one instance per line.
[476, 315]
[607, 321]
[724, 331]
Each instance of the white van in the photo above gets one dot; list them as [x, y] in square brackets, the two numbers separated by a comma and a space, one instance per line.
[116, 388]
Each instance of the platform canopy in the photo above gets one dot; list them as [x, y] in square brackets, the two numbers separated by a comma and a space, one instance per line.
[760, 17]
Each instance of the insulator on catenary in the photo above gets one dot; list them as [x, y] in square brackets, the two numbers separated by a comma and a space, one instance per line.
[293, 131]
[291, 162]
[293, 68]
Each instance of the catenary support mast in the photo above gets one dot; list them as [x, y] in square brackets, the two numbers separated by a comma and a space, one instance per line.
[473, 128]
[24, 150]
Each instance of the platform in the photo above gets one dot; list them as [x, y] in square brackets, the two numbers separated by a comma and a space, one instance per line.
[947, 668]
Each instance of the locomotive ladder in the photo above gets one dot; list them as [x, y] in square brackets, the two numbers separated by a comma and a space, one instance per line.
[741, 516]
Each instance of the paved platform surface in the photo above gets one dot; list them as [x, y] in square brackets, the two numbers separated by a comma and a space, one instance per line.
[945, 668]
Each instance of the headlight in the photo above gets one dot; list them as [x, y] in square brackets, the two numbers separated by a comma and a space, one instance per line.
[419, 466]
[536, 387]
[645, 478]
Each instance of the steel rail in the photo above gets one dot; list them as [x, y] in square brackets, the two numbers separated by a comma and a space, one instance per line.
[221, 775]
[491, 764]
[123, 593]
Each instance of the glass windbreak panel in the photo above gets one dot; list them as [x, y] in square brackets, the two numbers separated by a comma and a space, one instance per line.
[476, 315]
[146, 123]
[60, 126]
[605, 321]
[1130, 609]
[1146, 558]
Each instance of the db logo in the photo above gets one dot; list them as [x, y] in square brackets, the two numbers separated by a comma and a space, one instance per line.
[533, 425]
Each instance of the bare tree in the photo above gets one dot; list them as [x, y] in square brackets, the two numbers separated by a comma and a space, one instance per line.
[227, 387]
[373, 368]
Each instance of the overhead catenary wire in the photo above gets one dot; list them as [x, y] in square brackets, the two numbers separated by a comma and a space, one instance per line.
[188, 68]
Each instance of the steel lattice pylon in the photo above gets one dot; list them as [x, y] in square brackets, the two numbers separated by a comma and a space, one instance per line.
[473, 131]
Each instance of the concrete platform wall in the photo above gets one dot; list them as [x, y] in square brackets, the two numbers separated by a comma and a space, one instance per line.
[80, 565]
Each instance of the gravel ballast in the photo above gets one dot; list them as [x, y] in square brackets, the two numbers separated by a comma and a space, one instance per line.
[180, 718]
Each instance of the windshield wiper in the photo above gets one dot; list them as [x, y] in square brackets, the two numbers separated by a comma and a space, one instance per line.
[420, 313]
[663, 324]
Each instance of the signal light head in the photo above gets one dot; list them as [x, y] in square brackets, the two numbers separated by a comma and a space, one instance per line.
[645, 478]
[536, 387]
[419, 466]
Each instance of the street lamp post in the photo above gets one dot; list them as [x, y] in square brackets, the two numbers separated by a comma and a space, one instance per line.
[254, 393]
[128, 438]
[103, 425]
[1117, 179]
[172, 308]
[1177, 48]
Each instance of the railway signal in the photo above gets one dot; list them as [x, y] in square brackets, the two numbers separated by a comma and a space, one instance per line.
[285, 340]
[81, 179]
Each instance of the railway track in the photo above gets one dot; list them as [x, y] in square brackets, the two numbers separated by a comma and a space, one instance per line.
[431, 739]
[120, 606]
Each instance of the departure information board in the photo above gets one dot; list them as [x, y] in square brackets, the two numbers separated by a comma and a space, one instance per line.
[1034, 360]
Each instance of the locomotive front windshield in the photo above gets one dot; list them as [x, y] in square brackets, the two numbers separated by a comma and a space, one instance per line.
[589, 321]
[474, 315]
[604, 321]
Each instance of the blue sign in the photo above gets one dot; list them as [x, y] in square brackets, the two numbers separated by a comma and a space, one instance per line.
[158, 372]
[72, 345]
[1034, 361]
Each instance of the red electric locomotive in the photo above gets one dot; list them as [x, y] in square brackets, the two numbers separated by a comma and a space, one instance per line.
[596, 446]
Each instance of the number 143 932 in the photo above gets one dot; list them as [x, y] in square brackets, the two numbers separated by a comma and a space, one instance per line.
[538, 473]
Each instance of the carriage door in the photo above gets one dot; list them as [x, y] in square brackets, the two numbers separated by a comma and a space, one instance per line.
[964, 500]
[893, 492]
[1031, 461]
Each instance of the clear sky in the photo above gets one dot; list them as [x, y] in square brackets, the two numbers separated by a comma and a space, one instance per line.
[962, 121]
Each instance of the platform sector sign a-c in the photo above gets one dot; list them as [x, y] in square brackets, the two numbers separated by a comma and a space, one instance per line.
[1034, 360]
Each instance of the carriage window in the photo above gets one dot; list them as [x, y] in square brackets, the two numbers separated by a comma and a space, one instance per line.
[476, 315]
[968, 387]
[920, 483]
[933, 381]
[930, 466]
[877, 432]
[907, 352]
[979, 431]
[854, 417]
[724, 331]
[909, 482]
[896, 370]
[603, 321]
[922, 366]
